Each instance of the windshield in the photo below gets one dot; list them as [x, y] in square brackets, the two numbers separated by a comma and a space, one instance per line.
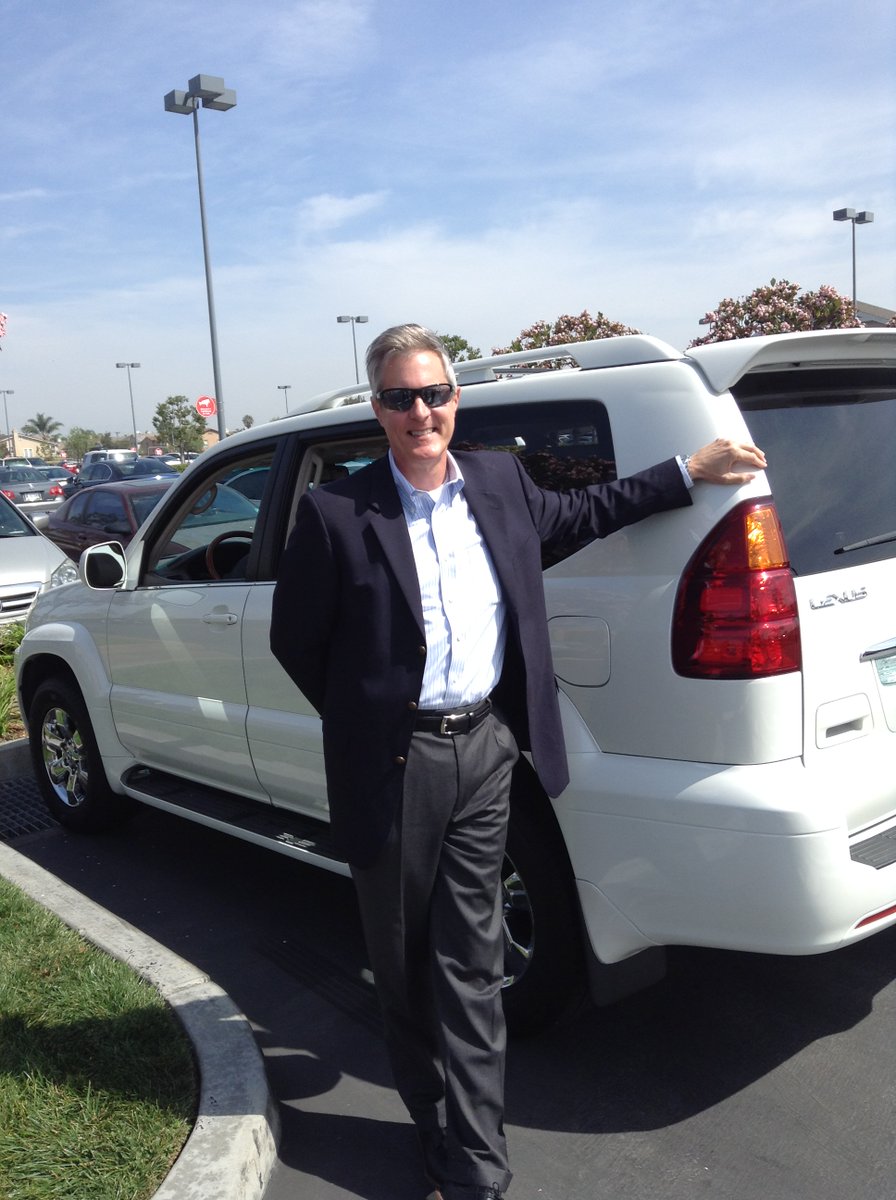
[828, 437]
[12, 523]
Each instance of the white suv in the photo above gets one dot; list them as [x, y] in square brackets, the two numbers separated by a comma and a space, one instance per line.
[727, 671]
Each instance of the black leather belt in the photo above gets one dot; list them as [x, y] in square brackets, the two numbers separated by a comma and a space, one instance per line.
[458, 720]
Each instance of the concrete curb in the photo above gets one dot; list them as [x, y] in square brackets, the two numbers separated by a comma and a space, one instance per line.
[233, 1147]
[15, 759]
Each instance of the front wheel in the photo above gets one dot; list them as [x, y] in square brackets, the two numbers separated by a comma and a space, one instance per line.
[543, 964]
[67, 763]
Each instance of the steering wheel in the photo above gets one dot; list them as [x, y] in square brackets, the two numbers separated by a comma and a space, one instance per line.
[216, 542]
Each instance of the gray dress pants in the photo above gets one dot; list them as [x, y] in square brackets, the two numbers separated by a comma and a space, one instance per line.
[431, 911]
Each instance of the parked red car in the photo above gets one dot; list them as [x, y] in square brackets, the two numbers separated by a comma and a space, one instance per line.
[103, 513]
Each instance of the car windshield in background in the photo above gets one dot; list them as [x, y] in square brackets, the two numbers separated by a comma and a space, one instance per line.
[20, 475]
[13, 524]
[830, 461]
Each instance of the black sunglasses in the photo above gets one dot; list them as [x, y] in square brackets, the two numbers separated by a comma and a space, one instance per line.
[402, 399]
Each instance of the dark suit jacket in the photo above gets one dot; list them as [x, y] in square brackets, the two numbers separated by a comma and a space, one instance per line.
[347, 623]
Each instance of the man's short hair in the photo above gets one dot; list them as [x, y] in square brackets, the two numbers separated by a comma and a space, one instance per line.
[404, 339]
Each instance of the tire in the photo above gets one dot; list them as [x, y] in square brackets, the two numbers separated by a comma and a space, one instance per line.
[543, 962]
[67, 762]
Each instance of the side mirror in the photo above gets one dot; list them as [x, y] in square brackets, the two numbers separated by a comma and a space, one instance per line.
[103, 566]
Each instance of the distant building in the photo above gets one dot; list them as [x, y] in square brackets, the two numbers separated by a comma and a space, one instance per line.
[872, 315]
[19, 446]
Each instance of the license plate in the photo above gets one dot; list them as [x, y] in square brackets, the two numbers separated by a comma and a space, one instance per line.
[28, 497]
[886, 671]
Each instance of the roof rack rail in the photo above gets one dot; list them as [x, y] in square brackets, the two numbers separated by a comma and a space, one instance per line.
[623, 351]
[332, 399]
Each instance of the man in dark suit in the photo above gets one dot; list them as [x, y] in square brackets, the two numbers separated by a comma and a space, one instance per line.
[409, 610]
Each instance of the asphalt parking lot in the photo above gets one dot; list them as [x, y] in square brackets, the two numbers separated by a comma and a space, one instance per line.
[738, 1077]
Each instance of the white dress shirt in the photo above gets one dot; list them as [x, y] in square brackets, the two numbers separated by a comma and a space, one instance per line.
[464, 613]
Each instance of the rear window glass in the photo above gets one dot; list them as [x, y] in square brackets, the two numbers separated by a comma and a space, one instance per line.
[829, 439]
[562, 444]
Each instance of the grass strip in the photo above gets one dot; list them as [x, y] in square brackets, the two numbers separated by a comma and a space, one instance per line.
[98, 1088]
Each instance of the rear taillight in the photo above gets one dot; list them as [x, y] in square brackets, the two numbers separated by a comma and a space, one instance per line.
[736, 612]
[56, 490]
[8, 495]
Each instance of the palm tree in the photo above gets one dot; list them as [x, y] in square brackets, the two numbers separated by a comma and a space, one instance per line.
[42, 428]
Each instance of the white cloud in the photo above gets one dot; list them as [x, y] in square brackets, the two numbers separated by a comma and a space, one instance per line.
[319, 213]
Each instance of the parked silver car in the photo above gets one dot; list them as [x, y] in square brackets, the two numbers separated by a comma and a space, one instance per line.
[30, 490]
[29, 562]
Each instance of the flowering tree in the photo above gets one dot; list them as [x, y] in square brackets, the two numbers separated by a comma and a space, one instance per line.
[778, 307]
[583, 328]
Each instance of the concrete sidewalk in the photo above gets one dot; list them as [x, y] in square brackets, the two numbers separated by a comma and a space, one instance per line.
[233, 1147]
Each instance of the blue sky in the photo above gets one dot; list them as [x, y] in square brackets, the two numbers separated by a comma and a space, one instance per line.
[474, 166]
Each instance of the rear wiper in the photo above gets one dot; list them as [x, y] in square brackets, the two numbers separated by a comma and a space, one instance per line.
[875, 541]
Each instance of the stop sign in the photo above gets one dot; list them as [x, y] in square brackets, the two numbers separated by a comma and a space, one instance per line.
[206, 406]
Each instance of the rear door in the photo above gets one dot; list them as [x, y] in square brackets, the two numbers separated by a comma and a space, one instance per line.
[829, 432]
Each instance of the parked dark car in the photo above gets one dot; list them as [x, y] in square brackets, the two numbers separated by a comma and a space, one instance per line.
[28, 489]
[109, 472]
[106, 512]
[249, 483]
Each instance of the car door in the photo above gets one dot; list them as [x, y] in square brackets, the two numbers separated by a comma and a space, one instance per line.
[284, 730]
[68, 527]
[178, 694]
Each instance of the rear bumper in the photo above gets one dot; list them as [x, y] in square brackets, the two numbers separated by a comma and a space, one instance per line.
[751, 858]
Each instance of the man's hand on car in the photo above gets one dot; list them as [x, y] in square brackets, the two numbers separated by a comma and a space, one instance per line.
[716, 462]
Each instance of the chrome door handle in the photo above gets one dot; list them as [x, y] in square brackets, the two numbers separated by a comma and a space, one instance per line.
[219, 618]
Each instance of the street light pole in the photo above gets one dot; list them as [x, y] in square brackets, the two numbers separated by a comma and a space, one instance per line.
[211, 92]
[6, 392]
[131, 393]
[284, 388]
[862, 218]
[354, 321]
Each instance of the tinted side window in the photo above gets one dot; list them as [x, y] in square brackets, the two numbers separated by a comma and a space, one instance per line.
[828, 436]
[562, 444]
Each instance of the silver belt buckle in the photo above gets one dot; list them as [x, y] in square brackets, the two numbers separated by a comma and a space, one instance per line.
[443, 725]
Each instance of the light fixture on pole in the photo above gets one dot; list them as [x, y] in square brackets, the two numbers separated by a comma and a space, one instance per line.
[131, 393]
[354, 321]
[284, 388]
[6, 392]
[210, 91]
[862, 218]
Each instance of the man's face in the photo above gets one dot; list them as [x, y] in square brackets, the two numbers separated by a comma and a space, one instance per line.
[419, 437]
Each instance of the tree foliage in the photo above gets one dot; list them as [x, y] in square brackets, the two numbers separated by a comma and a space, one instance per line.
[778, 307]
[78, 441]
[459, 349]
[42, 428]
[178, 425]
[583, 328]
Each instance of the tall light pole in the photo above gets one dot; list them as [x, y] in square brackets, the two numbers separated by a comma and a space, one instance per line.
[131, 393]
[210, 91]
[6, 392]
[354, 321]
[284, 388]
[862, 218]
